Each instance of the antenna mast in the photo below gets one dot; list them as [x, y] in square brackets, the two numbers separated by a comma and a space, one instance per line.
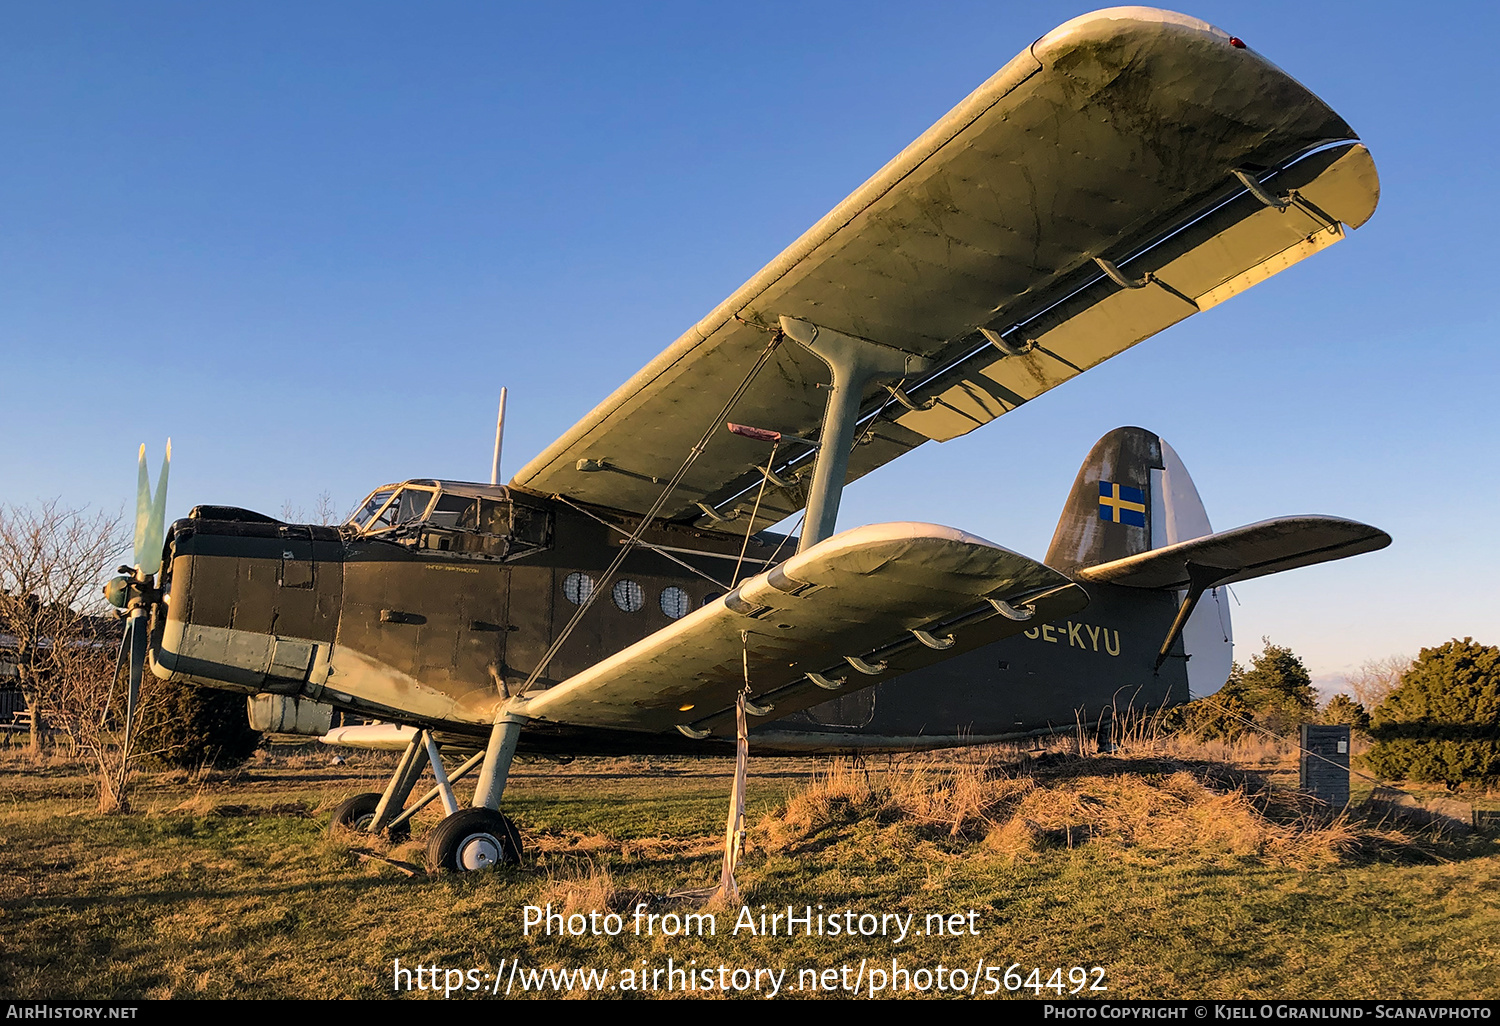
[499, 437]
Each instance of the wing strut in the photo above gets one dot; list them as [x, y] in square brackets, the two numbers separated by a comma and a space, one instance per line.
[1200, 579]
[854, 363]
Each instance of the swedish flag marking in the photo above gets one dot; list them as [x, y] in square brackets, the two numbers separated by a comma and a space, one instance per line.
[1122, 504]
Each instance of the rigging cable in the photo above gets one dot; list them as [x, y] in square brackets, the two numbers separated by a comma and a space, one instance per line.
[630, 543]
[654, 548]
[750, 527]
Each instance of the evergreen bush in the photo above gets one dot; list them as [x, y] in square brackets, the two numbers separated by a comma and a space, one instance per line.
[1442, 722]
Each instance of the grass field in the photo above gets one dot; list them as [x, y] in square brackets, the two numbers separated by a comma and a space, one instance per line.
[1157, 874]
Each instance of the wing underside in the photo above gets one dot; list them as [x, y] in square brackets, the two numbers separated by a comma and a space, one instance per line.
[1193, 168]
[863, 594]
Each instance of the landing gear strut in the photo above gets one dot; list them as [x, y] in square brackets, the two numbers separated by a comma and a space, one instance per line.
[479, 837]
[467, 839]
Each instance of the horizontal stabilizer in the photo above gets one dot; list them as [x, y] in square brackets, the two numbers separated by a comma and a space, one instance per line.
[1243, 553]
[861, 607]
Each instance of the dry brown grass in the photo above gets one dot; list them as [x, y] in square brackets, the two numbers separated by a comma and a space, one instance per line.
[572, 844]
[1185, 811]
[842, 793]
[593, 889]
[1158, 807]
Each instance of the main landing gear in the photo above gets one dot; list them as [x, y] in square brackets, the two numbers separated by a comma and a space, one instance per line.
[358, 813]
[466, 840]
[473, 839]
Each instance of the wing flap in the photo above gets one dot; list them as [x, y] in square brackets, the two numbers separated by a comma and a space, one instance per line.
[1103, 139]
[1256, 550]
[860, 594]
[1238, 246]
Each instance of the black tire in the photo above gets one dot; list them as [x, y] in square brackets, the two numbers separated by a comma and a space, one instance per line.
[358, 812]
[473, 839]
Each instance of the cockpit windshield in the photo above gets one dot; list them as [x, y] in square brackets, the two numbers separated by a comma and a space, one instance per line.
[371, 506]
[391, 507]
[427, 515]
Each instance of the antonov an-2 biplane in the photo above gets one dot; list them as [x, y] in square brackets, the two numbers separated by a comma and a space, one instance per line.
[623, 592]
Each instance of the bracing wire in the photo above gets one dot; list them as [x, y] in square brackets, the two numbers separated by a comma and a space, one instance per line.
[630, 543]
[750, 527]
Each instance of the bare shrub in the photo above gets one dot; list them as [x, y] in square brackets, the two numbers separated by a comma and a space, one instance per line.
[1375, 679]
[53, 561]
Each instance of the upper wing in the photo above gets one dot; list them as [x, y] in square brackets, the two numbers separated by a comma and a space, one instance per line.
[862, 593]
[1117, 136]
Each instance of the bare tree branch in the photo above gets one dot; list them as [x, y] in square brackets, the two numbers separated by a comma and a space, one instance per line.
[53, 561]
[1376, 678]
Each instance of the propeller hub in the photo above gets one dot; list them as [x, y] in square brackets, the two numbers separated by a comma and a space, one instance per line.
[134, 593]
[117, 591]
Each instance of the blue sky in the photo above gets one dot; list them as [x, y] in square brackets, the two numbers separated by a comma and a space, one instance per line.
[310, 243]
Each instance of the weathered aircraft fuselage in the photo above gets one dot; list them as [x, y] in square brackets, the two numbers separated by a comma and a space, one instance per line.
[432, 621]
[428, 624]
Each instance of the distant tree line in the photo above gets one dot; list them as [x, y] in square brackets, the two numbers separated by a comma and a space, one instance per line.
[1432, 719]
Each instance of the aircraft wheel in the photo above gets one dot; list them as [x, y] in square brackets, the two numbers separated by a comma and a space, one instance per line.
[473, 839]
[359, 812]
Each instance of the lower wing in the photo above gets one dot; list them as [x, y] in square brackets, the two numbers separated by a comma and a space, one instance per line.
[857, 609]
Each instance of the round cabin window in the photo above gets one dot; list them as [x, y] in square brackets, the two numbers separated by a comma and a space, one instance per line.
[577, 588]
[629, 596]
[675, 602]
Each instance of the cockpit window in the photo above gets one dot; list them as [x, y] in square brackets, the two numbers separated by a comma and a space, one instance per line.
[371, 506]
[412, 504]
[453, 511]
[392, 507]
[426, 517]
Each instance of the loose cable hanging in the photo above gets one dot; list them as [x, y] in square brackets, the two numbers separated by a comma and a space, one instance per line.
[734, 827]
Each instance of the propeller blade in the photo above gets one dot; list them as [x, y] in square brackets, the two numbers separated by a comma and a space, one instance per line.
[142, 506]
[109, 696]
[150, 561]
[138, 641]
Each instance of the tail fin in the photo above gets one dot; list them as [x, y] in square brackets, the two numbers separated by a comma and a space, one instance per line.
[1133, 494]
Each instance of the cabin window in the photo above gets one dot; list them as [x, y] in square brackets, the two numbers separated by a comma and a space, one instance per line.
[577, 588]
[675, 602]
[629, 596]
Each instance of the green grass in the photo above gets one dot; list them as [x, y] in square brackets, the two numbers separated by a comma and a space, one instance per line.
[231, 888]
